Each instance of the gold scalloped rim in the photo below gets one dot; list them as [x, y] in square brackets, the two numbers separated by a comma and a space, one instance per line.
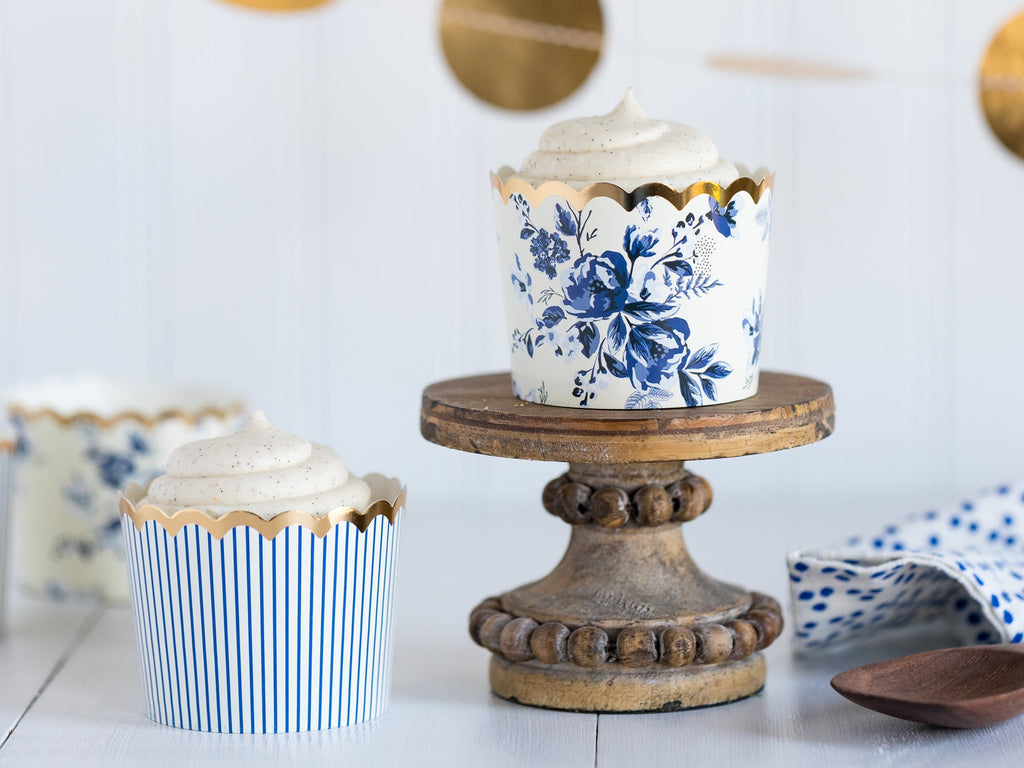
[236, 408]
[219, 526]
[578, 198]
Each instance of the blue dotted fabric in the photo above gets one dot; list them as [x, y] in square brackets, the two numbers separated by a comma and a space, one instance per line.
[963, 565]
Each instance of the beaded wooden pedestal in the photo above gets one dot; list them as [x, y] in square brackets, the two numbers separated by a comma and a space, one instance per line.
[626, 622]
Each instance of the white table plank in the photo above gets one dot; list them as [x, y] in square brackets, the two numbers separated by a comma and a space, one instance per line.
[39, 635]
[441, 714]
[799, 720]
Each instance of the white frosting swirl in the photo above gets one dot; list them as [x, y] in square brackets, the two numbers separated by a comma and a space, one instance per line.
[628, 148]
[259, 469]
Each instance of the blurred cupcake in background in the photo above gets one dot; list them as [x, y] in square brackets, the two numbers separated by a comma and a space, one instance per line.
[6, 449]
[78, 442]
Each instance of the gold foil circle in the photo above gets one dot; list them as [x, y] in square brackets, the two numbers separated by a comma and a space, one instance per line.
[521, 54]
[1001, 85]
[278, 5]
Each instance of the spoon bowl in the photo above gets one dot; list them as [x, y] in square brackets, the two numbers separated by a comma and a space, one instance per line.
[968, 687]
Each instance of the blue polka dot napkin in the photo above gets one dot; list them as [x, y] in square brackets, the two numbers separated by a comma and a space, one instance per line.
[962, 565]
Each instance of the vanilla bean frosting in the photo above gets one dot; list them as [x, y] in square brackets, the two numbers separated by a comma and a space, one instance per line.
[627, 148]
[259, 469]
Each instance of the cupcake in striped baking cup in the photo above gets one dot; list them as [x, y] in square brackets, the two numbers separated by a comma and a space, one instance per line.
[262, 578]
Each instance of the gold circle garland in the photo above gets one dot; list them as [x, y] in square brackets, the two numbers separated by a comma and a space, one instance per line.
[521, 54]
[1001, 85]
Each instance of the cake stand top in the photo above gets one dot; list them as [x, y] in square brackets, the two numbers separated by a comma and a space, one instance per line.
[479, 414]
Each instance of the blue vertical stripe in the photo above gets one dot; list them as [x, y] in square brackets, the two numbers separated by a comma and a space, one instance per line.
[248, 599]
[202, 629]
[298, 632]
[177, 618]
[287, 629]
[324, 546]
[343, 638]
[235, 578]
[181, 629]
[378, 631]
[169, 613]
[334, 616]
[151, 571]
[183, 667]
[263, 636]
[227, 645]
[352, 625]
[367, 618]
[213, 629]
[362, 621]
[273, 590]
[131, 549]
[309, 654]
[192, 627]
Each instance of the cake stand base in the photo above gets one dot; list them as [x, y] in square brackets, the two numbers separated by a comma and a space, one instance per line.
[566, 687]
[627, 621]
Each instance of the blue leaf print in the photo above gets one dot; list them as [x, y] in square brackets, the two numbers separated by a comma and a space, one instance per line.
[647, 310]
[675, 325]
[588, 337]
[615, 367]
[565, 221]
[724, 219]
[638, 246]
[529, 346]
[617, 331]
[652, 354]
[645, 212]
[526, 233]
[702, 357]
[719, 370]
[709, 388]
[652, 398]
[138, 443]
[552, 316]
[689, 389]
[680, 267]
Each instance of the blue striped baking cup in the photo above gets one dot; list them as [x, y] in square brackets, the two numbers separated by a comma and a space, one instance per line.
[246, 625]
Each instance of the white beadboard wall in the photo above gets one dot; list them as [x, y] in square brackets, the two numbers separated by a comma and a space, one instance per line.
[296, 206]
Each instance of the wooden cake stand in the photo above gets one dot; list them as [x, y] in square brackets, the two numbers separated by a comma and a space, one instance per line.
[626, 622]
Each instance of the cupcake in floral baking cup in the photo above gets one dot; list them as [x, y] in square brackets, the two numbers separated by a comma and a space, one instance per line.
[634, 262]
[262, 577]
[78, 441]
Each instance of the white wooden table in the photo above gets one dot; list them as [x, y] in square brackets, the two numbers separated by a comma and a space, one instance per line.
[70, 692]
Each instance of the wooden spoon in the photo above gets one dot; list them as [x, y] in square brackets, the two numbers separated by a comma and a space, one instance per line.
[966, 687]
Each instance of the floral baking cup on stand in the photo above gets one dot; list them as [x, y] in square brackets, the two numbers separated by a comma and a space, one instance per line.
[248, 625]
[651, 298]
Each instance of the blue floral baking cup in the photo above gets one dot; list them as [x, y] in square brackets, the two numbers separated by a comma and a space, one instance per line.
[6, 449]
[646, 299]
[961, 566]
[246, 625]
[71, 462]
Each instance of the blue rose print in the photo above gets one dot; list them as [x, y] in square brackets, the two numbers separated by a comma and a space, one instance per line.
[618, 311]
